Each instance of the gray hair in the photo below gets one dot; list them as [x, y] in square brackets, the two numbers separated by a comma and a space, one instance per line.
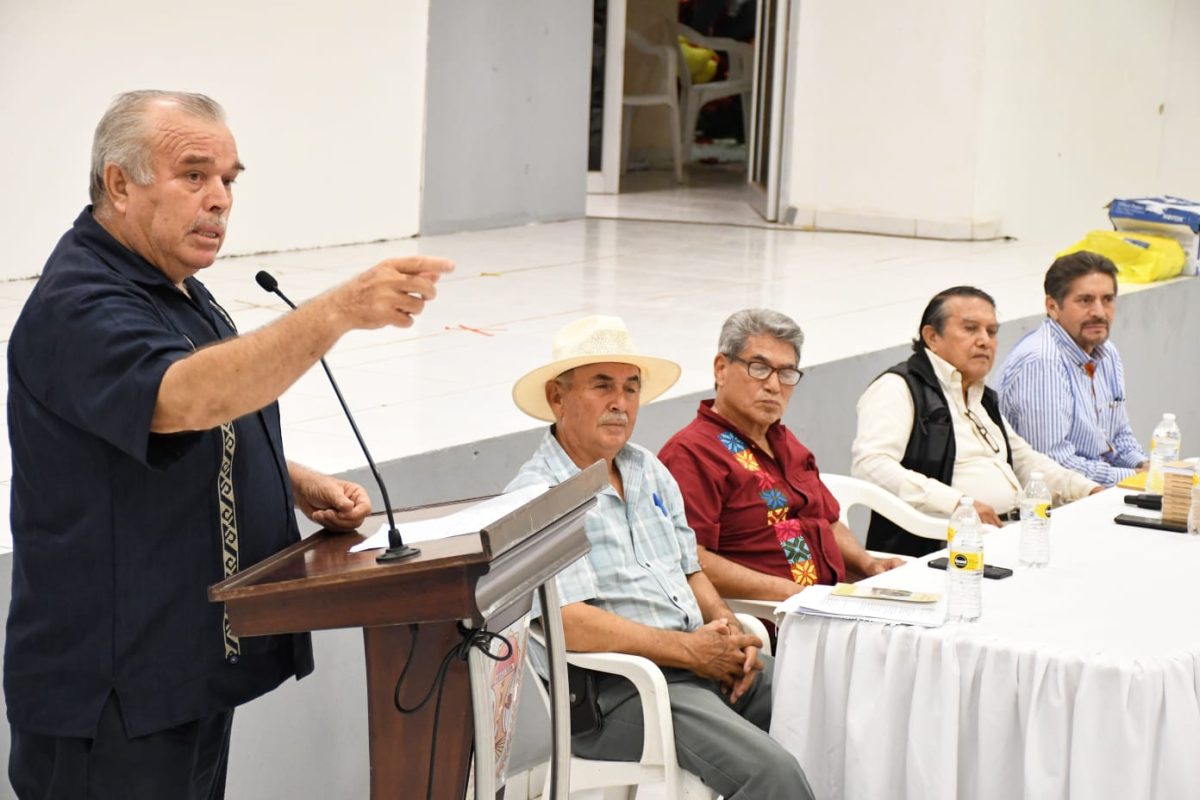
[121, 134]
[565, 380]
[748, 322]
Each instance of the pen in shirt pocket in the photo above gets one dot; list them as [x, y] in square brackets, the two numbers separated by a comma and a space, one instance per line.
[658, 502]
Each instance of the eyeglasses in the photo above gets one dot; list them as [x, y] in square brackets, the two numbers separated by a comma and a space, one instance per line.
[983, 432]
[760, 371]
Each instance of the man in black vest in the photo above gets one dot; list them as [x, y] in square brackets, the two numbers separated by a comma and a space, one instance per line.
[930, 430]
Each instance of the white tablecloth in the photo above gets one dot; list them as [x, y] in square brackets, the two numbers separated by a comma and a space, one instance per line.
[1081, 680]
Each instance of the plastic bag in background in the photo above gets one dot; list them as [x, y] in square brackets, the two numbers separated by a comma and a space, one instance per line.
[1140, 257]
[1174, 217]
[701, 61]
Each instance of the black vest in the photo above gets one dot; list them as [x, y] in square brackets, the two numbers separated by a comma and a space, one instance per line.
[930, 449]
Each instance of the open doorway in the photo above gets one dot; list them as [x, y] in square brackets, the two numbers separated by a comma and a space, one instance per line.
[686, 103]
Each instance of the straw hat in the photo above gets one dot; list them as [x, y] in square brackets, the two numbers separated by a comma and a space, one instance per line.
[592, 340]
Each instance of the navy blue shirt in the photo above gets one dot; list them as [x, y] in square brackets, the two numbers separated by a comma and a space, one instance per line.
[116, 530]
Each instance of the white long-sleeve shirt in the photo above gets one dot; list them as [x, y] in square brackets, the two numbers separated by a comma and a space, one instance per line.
[885, 421]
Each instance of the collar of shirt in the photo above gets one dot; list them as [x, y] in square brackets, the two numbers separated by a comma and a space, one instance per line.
[630, 463]
[950, 379]
[125, 261]
[1068, 347]
[777, 435]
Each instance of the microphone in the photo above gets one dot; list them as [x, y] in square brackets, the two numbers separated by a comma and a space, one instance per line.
[397, 549]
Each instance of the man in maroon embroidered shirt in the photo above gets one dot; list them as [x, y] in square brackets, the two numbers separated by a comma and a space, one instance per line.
[765, 525]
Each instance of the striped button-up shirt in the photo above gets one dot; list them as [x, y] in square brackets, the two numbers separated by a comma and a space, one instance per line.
[642, 547]
[1069, 405]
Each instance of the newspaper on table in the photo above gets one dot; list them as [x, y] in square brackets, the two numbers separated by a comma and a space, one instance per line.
[871, 603]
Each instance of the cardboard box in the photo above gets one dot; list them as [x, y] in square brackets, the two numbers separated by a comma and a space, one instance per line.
[1163, 216]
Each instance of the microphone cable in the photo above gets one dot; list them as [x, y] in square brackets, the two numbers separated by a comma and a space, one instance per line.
[477, 638]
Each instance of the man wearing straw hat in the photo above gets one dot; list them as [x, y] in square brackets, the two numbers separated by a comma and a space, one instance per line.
[640, 589]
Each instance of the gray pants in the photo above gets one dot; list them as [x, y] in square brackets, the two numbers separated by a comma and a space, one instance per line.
[726, 746]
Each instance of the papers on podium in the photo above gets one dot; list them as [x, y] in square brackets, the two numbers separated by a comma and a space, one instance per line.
[469, 520]
[822, 602]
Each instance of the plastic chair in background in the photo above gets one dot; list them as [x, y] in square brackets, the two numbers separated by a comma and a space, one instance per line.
[854, 492]
[738, 81]
[662, 90]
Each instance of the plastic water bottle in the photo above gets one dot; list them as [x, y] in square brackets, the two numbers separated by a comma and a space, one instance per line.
[964, 574]
[1035, 522]
[1164, 447]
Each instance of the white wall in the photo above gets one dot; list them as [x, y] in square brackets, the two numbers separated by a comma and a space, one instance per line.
[942, 118]
[326, 102]
[507, 113]
[1178, 164]
[884, 110]
[1071, 118]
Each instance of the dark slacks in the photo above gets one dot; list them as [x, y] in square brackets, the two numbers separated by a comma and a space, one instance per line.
[187, 762]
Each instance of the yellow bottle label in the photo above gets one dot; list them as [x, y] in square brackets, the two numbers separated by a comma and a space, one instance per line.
[950, 534]
[1042, 510]
[966, 562]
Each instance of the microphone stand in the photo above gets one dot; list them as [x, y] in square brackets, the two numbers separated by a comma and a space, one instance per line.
[397, 550]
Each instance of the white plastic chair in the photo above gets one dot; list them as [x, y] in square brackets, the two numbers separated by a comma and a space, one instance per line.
[620, 779]
[737, 81]
[757, 610]
[665, 92]
[854, 492]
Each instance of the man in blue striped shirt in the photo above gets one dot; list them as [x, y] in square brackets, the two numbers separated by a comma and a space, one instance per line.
[1063, 386]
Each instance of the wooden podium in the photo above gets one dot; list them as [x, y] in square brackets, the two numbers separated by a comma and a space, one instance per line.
[411, 610]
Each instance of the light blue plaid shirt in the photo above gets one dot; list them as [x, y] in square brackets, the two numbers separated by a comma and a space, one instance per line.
[1079, 421]
[642, 547]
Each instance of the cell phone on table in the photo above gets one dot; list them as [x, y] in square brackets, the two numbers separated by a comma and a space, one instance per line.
[989, 570]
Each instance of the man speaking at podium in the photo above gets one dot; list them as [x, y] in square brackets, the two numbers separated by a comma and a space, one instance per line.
[148, 464]
[640, 589]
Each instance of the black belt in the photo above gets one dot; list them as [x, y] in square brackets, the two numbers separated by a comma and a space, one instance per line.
[1010, 516]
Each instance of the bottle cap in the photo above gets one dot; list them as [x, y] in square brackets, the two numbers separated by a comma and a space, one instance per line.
[1036, 476]
[1169, 417]
[966, 500]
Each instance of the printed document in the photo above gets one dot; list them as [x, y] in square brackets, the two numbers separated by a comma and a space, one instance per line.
[820, 601]
[469, 520]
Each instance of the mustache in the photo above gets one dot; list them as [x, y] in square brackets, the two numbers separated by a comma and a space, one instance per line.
[614, 418]
[1103, 322]
[218, 222]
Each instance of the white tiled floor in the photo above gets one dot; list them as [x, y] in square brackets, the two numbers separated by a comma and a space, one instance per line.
[708, 194]
[447, 380]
